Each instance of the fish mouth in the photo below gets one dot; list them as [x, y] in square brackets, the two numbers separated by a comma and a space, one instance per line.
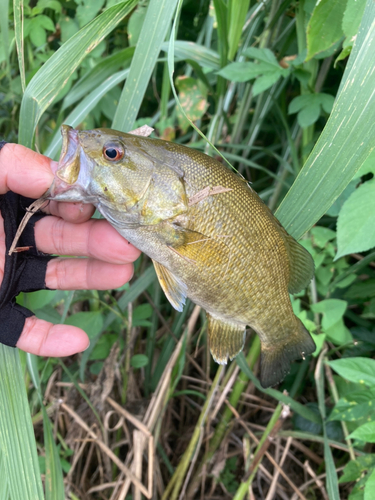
[71, 170]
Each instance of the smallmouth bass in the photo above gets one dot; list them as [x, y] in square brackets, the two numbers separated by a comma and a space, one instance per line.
[209, 235]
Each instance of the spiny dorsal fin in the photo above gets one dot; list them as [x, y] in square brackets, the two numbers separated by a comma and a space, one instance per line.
[301, 264]
[276, 356]
[174, 289]
[226, 339]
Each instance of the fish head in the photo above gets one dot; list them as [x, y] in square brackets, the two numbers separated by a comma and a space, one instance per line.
[117, 172]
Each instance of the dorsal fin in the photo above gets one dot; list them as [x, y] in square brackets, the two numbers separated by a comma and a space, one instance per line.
[174, 289]
[301, 264]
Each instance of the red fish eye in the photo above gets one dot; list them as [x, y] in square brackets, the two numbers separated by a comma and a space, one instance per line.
[113, 153]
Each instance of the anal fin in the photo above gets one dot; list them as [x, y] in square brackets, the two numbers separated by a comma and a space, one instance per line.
[226, 339]
[174, 289]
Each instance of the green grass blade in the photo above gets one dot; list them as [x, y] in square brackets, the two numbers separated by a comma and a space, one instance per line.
[279, 396]
[54, 482]
[18, 32]
[4, 6]
[51, 78]
[158, 18]
[237, 17]
[84, 107]
[97, 75]
[345, 143]
[4, 490]
[204, 56]
[17, 440]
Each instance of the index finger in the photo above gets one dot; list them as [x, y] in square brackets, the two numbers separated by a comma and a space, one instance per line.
[24, 171]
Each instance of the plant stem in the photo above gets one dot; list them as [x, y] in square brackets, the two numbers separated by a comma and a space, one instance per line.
[178, 476]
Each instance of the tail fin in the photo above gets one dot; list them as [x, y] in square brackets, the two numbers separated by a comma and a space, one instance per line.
[277, 356]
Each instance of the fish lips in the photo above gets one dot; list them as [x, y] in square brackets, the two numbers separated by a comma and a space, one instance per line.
[73, 175]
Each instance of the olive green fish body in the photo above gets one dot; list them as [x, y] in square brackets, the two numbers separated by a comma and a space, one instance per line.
[210, 236]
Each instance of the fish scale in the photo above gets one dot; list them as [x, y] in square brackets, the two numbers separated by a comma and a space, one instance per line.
[210, 236]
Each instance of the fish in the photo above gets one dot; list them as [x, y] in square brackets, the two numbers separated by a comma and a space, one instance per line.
[209, 235]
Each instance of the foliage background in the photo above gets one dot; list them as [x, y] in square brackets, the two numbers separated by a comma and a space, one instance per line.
[260, 79]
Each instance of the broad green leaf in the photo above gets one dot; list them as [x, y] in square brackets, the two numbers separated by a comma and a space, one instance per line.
[193, 99]
[322, 235]
[87, 10]
[139, 361]
[361, 290]
[324, 28]
[135, 24]
[244, 71]
[334, 209]
[354, 406]
[69, 27]
[91, 322]
[370, 486]
[204, 56]
[157, 21]
[265, 55]
[352, 18]
[346, 141]
[308, 115]
[357, 370]
[368, 167]
[237, 16]
[332, 309]
[365, 432]
[355, 225]
[51, 78]
[264, 82]
[355, 468]
[17, 440]
[308, 107]
[338, 333]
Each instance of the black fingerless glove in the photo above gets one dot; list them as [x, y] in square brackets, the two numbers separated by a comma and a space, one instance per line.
[24, 271]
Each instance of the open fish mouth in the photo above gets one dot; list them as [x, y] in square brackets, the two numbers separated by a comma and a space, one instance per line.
[71, 177]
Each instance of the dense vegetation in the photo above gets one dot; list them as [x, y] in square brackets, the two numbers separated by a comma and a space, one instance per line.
[261, 80]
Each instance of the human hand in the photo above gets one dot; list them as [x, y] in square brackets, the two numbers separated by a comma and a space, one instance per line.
[69, 231]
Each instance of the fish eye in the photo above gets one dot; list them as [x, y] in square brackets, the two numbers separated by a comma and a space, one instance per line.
[113, 152]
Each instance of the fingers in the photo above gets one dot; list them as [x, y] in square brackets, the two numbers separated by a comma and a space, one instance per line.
[86, 274]
[72, 212]
[45, 339]
[30, 174]
[24, 171]
[94, 238]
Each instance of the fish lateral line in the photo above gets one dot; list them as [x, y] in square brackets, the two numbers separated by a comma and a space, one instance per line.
[205, 193]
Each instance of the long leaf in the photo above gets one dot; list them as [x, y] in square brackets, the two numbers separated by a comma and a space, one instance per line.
[158, 18]
[51, 78]
[204, 56]
[345, 143]
[279, 396]
[84, 107]
[18, 33]
[4, 6]
[54, 483]
[17, 440]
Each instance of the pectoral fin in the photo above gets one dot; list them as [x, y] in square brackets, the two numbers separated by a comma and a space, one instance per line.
[174, 289]
[200, 249]
[226, 339]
